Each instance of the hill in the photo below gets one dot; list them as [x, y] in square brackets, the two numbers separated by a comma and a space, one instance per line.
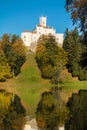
[29, 85]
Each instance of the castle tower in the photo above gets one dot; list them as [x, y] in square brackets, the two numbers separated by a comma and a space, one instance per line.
[43, 21]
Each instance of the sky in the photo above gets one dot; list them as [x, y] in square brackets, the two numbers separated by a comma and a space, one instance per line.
[17, 16]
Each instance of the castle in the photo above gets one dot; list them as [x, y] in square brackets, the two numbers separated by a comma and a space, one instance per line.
[30, 38]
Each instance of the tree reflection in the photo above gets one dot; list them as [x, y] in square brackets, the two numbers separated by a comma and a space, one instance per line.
[12, 112]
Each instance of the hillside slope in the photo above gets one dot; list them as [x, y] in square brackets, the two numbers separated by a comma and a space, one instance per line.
[29, 85]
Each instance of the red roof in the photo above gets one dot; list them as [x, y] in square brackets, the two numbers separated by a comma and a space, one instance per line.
[26, 31]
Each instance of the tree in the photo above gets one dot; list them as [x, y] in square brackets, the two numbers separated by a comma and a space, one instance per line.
[13, 38]
[49, 55]
[72, 45]
[5, 70]
[19, 51]
[78, 9]
[77, 106]
[15, 52]
[60, 62]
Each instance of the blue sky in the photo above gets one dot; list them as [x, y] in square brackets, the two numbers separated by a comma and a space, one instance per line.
[17, 16]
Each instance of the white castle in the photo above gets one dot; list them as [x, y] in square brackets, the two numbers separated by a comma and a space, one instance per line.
[30, 38]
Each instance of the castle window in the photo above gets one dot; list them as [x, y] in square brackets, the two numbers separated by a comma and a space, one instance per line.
[43, 22]
[24, 38]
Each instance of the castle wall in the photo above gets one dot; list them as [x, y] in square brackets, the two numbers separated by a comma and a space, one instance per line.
[27, 38]
[32, 37]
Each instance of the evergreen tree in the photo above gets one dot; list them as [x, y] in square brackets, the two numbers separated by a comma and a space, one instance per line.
[73, 47]
[78, 10]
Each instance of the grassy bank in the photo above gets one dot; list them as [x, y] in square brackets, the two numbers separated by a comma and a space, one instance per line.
[29, 85]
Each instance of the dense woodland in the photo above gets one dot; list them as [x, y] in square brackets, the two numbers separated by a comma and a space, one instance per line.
[12, 56]
[75, 50]
[78, 10]
[77, 104]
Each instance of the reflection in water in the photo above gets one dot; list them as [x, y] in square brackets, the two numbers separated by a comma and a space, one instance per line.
[12, 112]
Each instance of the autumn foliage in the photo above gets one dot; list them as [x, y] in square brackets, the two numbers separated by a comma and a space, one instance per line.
[12, 56]
[49, 55]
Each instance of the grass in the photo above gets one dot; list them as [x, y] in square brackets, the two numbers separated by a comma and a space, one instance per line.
[72, 86]
[29, 85]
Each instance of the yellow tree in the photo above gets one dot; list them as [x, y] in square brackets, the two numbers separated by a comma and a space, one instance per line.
[5, 70]
[19, 52]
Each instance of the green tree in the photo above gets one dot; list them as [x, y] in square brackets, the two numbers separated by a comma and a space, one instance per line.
[13, 38]
[72, 45]
[60, 62]
[77, 106]
[78, 10]
[49, 55]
